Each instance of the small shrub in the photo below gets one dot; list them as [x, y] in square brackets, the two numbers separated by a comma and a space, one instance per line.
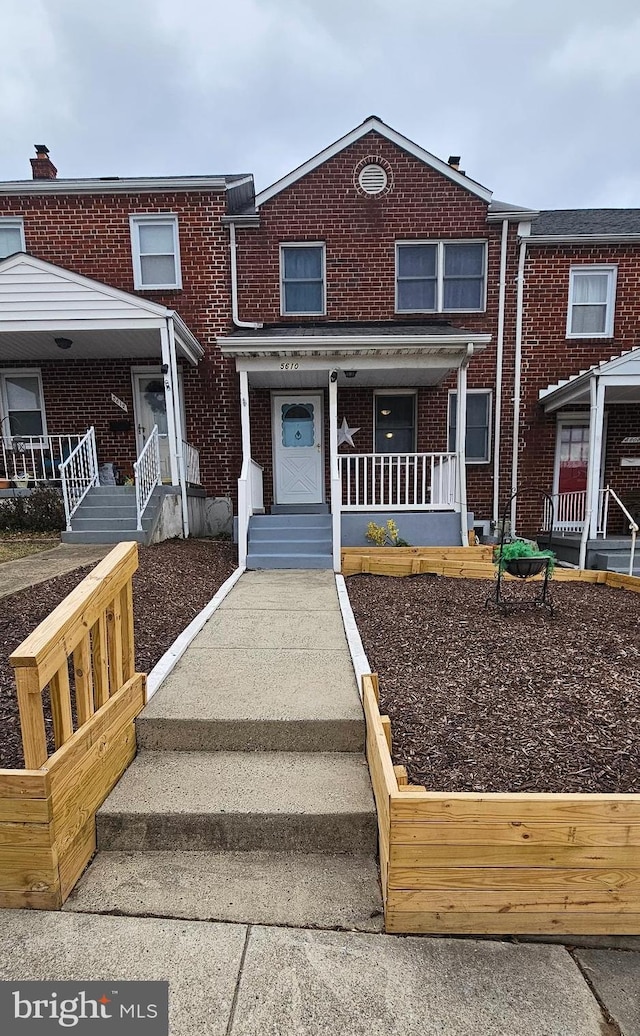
[385, 535]
[520, 549]
[41, 511]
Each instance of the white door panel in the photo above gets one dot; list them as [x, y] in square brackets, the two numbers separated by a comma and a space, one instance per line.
[298, 454]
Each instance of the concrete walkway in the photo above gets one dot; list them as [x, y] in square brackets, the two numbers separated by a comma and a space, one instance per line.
[239, 980]
[249, 799]
[37, 568]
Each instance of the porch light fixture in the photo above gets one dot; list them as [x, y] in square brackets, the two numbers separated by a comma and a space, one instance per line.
[333, 376]
[388, 435]
[350, 374]
[385, 413]
[63, 343]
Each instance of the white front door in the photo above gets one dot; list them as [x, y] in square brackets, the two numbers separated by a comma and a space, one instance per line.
[151, 409]
[298, 455]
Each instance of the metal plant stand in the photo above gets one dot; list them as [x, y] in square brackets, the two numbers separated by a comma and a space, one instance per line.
[524, 569]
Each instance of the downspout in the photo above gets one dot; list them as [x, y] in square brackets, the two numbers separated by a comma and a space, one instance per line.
[461, 427]
[523, 231]
[234, 282]
[499, 364]
[588, 510]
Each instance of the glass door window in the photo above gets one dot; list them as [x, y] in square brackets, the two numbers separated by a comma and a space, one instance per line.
[573, 458]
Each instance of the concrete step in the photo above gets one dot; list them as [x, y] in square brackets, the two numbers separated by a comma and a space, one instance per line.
[241, 801]
[290, 545]
[290, 521]
[300, 509]
[617, 560]
[264, 534]
[221, 699]
[111, 491]
[103, 537]
[310, 560]
[104, 523]
[318, 890]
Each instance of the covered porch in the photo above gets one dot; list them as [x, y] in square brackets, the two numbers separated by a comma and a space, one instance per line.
[332, 422]
[595, 499]
[90, 386]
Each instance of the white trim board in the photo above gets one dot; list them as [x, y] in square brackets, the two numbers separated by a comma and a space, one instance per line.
[172, 656]
[359, 658]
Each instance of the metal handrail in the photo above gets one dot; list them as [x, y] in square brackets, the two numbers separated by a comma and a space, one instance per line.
[633, 525]
[78, 474]
[147, 474]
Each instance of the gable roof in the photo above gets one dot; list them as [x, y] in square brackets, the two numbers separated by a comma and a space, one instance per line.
[565, 223]
[577, 385]
[374, 125]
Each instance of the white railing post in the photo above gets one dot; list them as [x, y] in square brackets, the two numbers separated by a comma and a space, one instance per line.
[147, 474]
[78, 474]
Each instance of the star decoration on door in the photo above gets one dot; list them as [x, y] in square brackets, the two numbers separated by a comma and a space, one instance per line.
[345, 434]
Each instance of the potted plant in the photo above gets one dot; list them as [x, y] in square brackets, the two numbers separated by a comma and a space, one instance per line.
[522, 558]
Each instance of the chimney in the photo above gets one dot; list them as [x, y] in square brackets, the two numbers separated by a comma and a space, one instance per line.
[41, 166]
[454, 161]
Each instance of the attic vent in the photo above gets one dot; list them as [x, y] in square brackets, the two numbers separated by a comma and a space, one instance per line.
[372, 179]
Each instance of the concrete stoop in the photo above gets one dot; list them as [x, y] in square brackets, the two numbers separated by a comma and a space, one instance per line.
[250, 798]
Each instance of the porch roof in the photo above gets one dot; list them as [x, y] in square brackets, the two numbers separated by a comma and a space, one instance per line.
[379, 353]
[41, 301]
[622, 374]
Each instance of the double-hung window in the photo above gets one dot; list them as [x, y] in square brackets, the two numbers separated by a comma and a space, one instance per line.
[302, 279]
[156, 251]
[592, 292]
[22, 404]
[440, 276]
[477, 445]
[11, 236]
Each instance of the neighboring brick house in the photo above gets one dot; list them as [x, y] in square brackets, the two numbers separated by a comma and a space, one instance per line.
[392, 326]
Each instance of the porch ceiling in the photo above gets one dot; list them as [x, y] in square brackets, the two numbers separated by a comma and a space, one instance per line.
[29, 346]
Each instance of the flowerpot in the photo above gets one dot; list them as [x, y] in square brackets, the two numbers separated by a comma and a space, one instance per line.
[522, 568]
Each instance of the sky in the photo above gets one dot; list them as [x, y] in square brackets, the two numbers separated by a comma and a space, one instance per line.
[540, 97]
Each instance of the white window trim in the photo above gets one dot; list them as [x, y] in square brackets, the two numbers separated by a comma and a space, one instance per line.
[440, 243]
[612, 276]
[474, 392]
[14, 223]
[135, 221]
[396, 392]
[304, 244]
[19, 372]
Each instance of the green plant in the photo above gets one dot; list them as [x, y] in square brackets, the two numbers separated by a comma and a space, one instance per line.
[520, 549]
[41, 511]
[385, 535]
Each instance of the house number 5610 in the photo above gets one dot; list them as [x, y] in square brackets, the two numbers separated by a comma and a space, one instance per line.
[289, 366]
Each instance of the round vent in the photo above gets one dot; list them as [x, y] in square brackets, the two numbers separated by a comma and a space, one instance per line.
[372, 179]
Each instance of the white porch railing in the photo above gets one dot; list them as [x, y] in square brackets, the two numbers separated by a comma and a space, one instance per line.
[250, 500]
[633, 525]
[398, 481]
[569, 512]
[78, 473]
[147, 473]
[35, 458]
[191, 459]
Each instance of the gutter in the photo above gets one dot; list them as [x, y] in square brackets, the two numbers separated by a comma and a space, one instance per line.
[234, 282]
[523, 230]
[576, 239]
[499, 365]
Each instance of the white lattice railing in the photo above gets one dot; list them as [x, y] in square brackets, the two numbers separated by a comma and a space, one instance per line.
[147, 473]
[35, 458]
[398, 481]
[191, 459]
[569, 511]
[78, 473]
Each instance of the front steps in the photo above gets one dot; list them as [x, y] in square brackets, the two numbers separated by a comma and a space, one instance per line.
[618, 559]
[108, 515]
[282, 541]
[250, 797]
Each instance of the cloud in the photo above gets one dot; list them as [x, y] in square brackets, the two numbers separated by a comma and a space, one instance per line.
[602, 54]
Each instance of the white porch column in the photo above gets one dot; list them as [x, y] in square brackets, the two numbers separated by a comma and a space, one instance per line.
[178, 430]
[170, 390]
[244, 488]
[461, 450]
[336, 482]
[596, 429]
[245, 421]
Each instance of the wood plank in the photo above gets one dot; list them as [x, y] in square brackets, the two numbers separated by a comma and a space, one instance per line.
[61, 632]
[31, 900]
[24, 834]
[116, 714]
[414, 788]
[515, 833]
[76, 857]
[83, 677]
[512, 923]
[622, 582]
[114, 642]
[524, 877]
[28, 869]
[400, 775]
[128, 644]
[30, 783]
[419, 860]
[34, 739]
[490, 901]
[100, 661]
[60, 693]
[386, 726]
[25, 810]
[524, 807]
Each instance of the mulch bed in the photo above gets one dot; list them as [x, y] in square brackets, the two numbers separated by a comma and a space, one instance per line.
[525, 702]
[173, 583]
